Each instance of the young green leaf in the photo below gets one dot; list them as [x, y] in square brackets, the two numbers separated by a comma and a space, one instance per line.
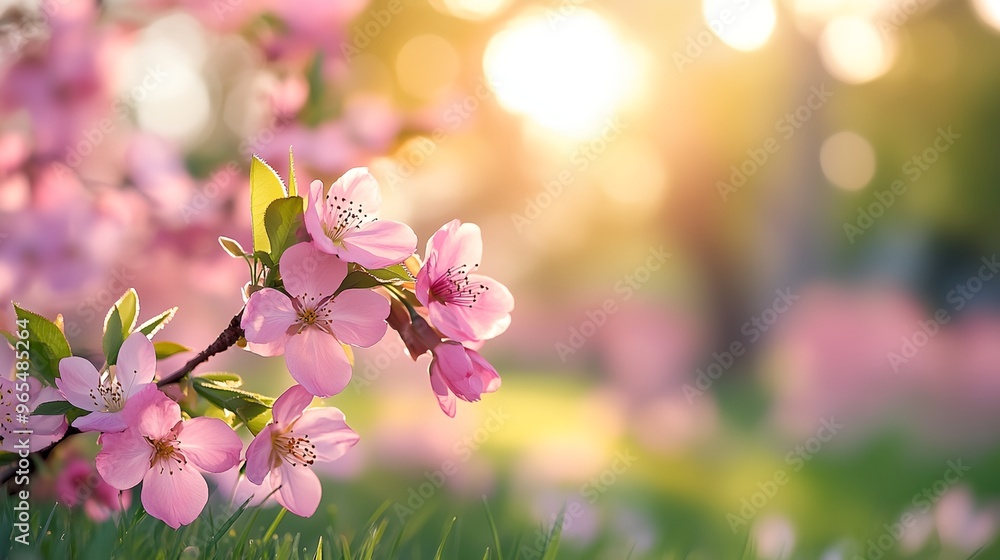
[128, 312]
[113, 337]
[359, 279]
[154, 325]
[47, 342]
[165, 349]
[285, 225]
[265, 187]
[222, 390]
[55, 408]
[393, 274]
[232, 247]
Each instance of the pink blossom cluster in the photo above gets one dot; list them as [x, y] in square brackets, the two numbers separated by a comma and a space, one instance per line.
[342, 279]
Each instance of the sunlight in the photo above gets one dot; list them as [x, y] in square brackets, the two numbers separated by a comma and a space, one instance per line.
[988, 11]
[854, 51]
[744, 25]
[569, 74]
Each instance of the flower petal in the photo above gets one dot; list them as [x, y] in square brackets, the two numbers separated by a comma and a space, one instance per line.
[259, 455]
[488, 317]
[175, 496]
[78, 381]
[210, 444]
[446, 400]
[310, 274]
[357, 317]
[328, 431]
[377, 244]
[290, 405]
[454, 244]
[107, 422]
[124, 458]
[151, 412]
[268, 316]
[318, 362]
[267, 349]
[300, 489]
[359, 186]
[136, 363]
[484, 377]
[316, 215]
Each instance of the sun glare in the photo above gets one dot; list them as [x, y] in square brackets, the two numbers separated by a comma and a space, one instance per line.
[569, 73]
[744, 25]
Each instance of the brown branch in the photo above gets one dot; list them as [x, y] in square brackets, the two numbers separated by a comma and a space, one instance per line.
[225, 340]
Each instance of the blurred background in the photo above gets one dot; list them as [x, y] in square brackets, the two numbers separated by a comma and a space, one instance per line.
[753, 245]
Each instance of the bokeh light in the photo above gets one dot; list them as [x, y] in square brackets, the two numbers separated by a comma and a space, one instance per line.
[855, 51]
[744, 25]
[848, 160]
[989, 12]
[423, 80]
[568, 74]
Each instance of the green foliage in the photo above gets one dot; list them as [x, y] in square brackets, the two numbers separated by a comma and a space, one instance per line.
[59, 408]
[223, 390]
[113, 337]
[265, 187]
[154, 325]
[232, 247]
[166, 348]
[47, 344]
[364, 278]
[285, 225]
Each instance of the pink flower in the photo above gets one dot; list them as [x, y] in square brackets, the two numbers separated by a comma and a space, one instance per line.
[105, 394]
[78, 482]
[291, 444]
[345, 222]
[310, 324]
[156, 449]
[458, 371]
[463, 306]
[44, 429]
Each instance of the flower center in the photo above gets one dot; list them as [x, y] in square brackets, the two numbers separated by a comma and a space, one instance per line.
[347, 218]
[455, 288]
[308, 316]
[297, 451]
[167, 454]
[109, 394]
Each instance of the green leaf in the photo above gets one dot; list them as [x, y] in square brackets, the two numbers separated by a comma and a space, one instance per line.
[265, 187]
[223, 390]
[154, 325]
[55, 408]
[165, 349]
[292, 189]
[359, 279]
[264, 258]
[552, 542]
[47, 344]
[113, 336]
[285, 225]
[232, 247]
[392, 274]
[128, 310]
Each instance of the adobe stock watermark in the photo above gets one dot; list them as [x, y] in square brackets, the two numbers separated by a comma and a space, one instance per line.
[417, 496]
[93, 136]
[590, 492]
[699, 43]
[626, 288]
[785, 127]
[375, 367]
[364, 33]
[921, 503]
[582, 157]
[898, 14]
[453, 116]
[96, 306]
[561, 10]
[959, 297]
[913, 169]
[753, 329]
[796, 460]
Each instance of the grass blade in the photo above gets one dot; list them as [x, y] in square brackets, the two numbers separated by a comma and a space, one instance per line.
[444, 538]
[493, 528]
